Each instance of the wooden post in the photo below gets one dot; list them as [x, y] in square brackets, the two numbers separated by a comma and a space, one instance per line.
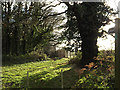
[61, 79]
[0, 44]
[66, 53]
[117, 53]
[70, 54]
[27, 79]
[119, 9]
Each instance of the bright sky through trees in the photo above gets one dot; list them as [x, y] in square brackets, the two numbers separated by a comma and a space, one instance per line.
[109, 43]
[103, 43]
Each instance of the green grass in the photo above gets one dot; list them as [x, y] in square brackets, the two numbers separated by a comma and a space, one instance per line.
[42, 74]
[47, 74]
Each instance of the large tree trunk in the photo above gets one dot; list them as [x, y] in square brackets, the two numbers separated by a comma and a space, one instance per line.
[88, 37]
[89, 47]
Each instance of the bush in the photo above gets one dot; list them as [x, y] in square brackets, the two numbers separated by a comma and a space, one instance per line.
[38, 56]
[101, 77]
[95, 82]
[105, 54]
[30, 57]
[53, 54]
[76, 59]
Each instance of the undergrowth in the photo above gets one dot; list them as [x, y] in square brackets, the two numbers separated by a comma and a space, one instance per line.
[101, 75]
[21, 59]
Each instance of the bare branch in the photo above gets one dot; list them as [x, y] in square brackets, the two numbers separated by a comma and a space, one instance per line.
[55, 14]
[52, 5]
[109, 33]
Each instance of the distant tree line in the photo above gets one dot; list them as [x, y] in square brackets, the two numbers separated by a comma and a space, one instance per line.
[26, 26]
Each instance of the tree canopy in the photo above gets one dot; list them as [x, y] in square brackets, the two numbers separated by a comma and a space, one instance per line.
[26, 26]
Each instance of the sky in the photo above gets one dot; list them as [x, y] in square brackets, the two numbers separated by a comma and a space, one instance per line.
[103, 43]
[109, 43]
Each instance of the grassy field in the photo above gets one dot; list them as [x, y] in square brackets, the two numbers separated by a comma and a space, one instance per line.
[29, 72]
[42, 74]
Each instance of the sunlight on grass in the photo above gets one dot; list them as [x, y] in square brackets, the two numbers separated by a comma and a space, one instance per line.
[16, 75]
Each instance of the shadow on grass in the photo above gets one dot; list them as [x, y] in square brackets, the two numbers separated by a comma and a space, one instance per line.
[43, 80]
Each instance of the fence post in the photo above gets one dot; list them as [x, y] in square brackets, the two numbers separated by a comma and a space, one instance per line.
[61, 79]
[27, 79]
[0, 44]
[117, 53]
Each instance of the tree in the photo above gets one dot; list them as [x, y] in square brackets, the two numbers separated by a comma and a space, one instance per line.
[84, 22]
[27, 26]
[6, 31]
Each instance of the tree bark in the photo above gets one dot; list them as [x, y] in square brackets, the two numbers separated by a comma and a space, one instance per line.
[88, 35]
[23, 45]
[89, 47]
[15, 42]
[8, 31]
